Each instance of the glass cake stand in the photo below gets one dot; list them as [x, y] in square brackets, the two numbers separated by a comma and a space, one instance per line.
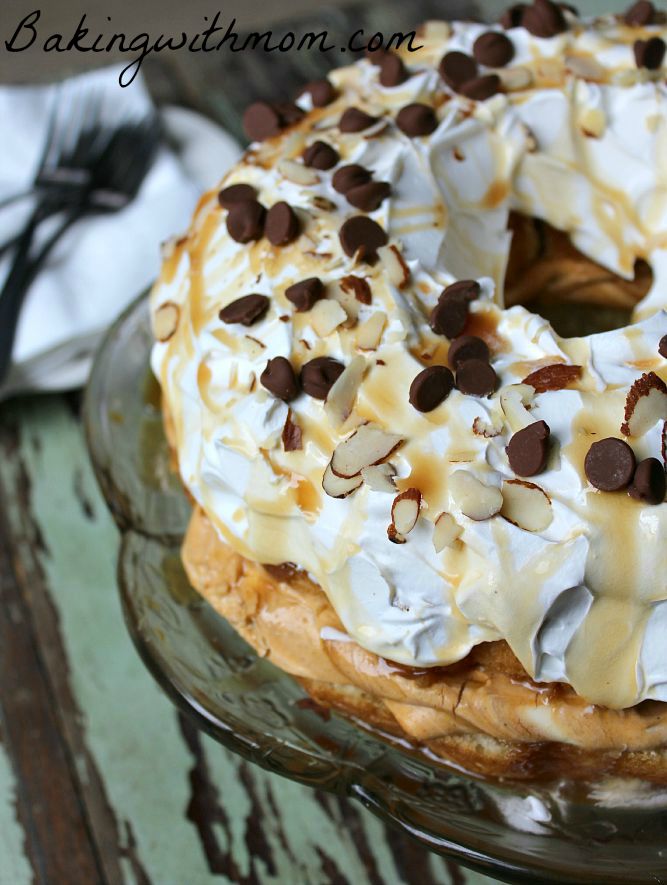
[607, 833]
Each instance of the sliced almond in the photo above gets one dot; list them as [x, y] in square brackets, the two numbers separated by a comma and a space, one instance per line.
[322, 203]
[292, 435]
[380, 477]
[367, 446]
[369, 333]
[514, 401]
[343, 394]
[515, 79]
[297, 173]
[347, 300]
[405, 510]
[394, 264]
[339, 486]
[326, 316]
[487, 429]
[474, 498]
[592, 122]
[358, 287]
[445, 532]
[394, 536]
[646, 404]
[585, 67]
[293, 144]
[664, 443]
[526, 505]
[436, 30]
[555, 377]
[165, 320]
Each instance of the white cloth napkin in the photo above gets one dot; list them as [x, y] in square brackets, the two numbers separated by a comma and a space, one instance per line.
[103, 262]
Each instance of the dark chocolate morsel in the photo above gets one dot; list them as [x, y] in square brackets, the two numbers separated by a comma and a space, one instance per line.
[650, 53]
[467, 347]
[528, 449]
[662, 347]
[449, 316]
[369, 196]
[236, 193]
[417, 119]
[347, 177]
[245, 221]
[456, 68]
[279, 379]
[467, 289]
[281, 225]
[476, 378]
[640, 14]
[544, 19]
[320, 155]
[364, 236]
[246, 310]
[493, 49]
[431, 387]
[355, 120]
[649, 482]
[512, 16]
[392, 70]
[305, 293]
[610, 464]
[321, 92]
[481, 88]
[319, 375]
[261, 120]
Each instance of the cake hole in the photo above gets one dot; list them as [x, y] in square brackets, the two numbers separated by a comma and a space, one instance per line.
[551, 277]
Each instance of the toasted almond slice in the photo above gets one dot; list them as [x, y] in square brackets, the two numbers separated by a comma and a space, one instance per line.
[555, 377]
[380, 477]
[297, 173]
[405, 510]
[369, 333]
[526, 505]
[664, 443]
[339, 486]
[347, 300]
[513, 402]
[646, 404]
[394, 536]
[367, 446]
[515, 79]
[394, 264]
[474, 499]
[487, 429]
[358, 287]
[592, 122]
[586, 68]
[165, 320]
[343, 394]
[293, 144]
[445, 531]
[326, 316]
[436, 30]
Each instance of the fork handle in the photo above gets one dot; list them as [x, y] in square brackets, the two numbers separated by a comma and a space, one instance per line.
[23, 271]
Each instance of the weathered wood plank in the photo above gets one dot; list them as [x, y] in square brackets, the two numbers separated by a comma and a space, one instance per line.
[182, 808]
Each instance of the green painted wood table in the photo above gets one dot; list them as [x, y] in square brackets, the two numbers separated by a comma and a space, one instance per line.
[101, 779]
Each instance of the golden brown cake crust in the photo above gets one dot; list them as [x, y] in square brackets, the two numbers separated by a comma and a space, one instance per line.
[483, 713]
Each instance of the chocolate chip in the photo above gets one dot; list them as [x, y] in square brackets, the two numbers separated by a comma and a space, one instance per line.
[369, 196]
[363, 235]
[319, 375]
[321, 92]
[544, 19]
[281, 225]
[467, 289]
[246, 310]
[467, 347]
[320, 155]
[376, 55]
[355, 120]
[649, 484]
[456, 68]
[449, 316]
[305, 293]
[431, 387]
[289, 113]
[347, 177]
[662, 347]
[476, 378]
[236, 193]
[513, 16]
[493, 49]
[640, 14]
[392, 70]
[279, 379]
[261, 120]
[482, 88]
[650, 53]
[529, 448]
[416, 119]
[610, 464]
[245, 221]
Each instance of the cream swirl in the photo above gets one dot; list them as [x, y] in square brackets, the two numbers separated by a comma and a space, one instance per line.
[580, 601]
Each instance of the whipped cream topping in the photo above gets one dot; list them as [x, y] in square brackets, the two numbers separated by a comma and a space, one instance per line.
[582, 601]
